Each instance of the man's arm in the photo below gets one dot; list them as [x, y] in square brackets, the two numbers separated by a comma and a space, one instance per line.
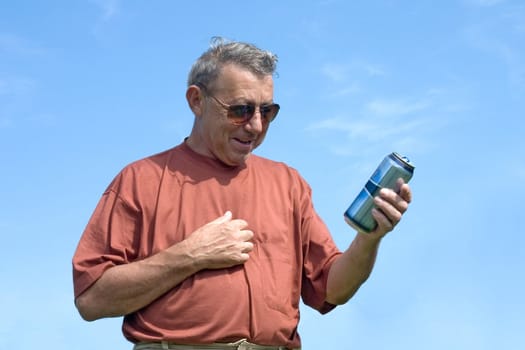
[126, 288]
[353, 267]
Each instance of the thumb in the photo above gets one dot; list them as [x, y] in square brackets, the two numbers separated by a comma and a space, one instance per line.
[224, 218]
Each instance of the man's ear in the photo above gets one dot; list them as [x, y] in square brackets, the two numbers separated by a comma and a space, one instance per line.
[195, 99]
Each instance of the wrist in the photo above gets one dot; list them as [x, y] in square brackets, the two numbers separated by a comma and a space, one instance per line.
[368, 239]
[182, 255]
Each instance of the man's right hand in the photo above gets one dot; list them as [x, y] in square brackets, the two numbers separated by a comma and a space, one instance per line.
[221, 243]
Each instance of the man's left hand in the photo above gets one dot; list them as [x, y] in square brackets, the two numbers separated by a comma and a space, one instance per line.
[390, 207]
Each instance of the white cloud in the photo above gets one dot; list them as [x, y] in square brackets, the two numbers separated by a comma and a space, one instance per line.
[505, 52]
[395, 107]
[328, 2]
[346, 90]
[16, 86]
[348, 76]
[13, 44]
[344, 71]
[403, 124]
[373, 69]
[520, 173]
[484, 3]
[382, 118]
[502, 37]
[335, 72]
[3, 87]
[373, 131]
[108, 8]
[47, 320]
[4, 124]
[432, 315]
[15, 95]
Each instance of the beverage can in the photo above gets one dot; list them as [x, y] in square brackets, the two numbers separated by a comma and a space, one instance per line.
[392, 167]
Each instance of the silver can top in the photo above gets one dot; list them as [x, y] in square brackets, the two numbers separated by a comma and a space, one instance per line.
[403, 161]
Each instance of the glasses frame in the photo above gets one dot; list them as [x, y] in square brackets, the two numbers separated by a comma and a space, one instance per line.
[241, 114]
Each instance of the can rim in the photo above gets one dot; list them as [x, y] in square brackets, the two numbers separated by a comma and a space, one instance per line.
[403, 161]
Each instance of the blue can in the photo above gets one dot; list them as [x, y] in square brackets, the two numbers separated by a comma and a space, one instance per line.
[393, 167]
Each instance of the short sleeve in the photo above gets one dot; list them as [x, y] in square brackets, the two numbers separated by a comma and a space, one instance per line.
[109, 238]
[319, 252]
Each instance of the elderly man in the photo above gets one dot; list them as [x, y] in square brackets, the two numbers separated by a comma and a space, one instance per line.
[208, 246]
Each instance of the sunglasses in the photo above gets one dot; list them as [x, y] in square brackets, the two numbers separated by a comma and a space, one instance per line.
[241, 114]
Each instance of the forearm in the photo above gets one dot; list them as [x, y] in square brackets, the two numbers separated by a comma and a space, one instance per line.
[352, 268]
[126, 288]
[123, 289]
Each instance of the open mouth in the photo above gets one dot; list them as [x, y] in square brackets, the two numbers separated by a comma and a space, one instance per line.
[244, 142]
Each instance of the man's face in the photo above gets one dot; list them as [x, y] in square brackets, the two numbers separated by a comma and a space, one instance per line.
[217, 136]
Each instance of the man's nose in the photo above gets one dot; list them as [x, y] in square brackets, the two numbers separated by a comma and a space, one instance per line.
[256, 123]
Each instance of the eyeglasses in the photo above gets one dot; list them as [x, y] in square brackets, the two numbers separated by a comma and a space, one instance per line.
[241, 114]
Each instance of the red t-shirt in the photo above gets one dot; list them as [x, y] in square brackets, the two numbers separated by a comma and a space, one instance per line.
[160, 200]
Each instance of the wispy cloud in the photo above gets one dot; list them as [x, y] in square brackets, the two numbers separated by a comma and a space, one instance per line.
[343, 71]
[348, 89]
[14, 92]
[57, 309]
[373, 69]
[395, 107]
[403, 123]
[520, 172]
[108, 11]
[484, 3]
[346, 78]
[16, 86]
[14, 44]
[335, 72]
[502, 37]
[328, 2]
[4, 124]
[3, 87]
[108, 8]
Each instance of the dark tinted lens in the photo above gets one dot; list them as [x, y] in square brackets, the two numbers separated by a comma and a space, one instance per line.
[269, 112]
[241, 113]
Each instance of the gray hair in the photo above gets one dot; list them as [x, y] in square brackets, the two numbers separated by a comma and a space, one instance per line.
[222, 52]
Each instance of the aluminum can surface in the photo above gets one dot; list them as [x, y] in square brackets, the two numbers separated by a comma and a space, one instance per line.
[394, 166]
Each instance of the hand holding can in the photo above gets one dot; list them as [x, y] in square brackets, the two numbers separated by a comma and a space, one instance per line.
[394, 166]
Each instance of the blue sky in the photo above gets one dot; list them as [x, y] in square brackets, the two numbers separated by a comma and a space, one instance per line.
[89, 86]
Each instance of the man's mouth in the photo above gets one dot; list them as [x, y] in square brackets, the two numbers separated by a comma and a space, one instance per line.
[245, 142]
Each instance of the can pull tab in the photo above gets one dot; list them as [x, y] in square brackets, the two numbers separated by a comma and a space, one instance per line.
[403, 161]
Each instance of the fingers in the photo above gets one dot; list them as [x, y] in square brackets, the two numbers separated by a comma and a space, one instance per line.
[386, 214]
[235, 230]
[406, 193]
[222, 242]
[384, 224]
[245, 235]
[390, 206]
[226, 219]
[241, 235]
[398, 200]
[403, 190]
[247, 247]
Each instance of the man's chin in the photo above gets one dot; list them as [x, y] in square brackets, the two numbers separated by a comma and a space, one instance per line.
[240, 161]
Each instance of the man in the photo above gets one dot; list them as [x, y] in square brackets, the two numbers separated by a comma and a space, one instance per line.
[206, 245]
